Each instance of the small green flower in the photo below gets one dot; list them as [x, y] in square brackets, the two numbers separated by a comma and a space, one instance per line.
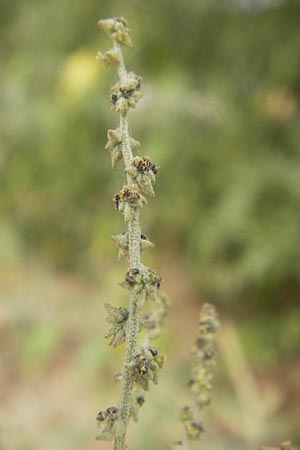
[145, 366]
[128, 200]
[117, 317]
[110, 58]
[125, 96]
[144, 282]
[122, 242]
[114, 145]
[106, 421]
[145, 243]
[117, 30]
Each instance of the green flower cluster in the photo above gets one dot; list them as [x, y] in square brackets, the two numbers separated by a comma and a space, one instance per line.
[129, 199]
[145, 367]
[126, 95]
[118, 318]
[117, 29]
[143, 172]
[144, 282]
[106, 421]
[110, 58]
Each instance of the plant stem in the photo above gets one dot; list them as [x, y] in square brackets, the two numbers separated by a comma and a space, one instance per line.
[134, 232]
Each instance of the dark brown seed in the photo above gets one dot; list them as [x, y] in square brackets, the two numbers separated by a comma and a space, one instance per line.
[118, 19]
[112, 410]
[114, 99]
[153, 351]
[100, 416]
[140, 400]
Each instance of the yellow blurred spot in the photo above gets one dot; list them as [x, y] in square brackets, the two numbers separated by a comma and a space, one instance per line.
[79, 73]
[280, 105]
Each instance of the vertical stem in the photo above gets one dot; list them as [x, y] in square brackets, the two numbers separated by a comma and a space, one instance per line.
[134, 233]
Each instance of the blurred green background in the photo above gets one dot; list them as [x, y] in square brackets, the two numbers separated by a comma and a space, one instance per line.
[220, 116]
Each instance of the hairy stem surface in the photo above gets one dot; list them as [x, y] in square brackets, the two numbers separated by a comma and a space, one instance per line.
[134, 232]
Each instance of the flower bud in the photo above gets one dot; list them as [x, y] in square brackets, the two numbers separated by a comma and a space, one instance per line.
[117, 29]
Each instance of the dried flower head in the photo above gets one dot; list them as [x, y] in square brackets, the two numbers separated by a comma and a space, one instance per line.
[128, 200]
[144, 282]
[143, 172]
[126, 95]
[145, 366]
[106, 421]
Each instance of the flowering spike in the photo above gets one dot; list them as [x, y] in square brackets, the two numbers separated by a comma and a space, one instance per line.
[142, 282]
[200, 383]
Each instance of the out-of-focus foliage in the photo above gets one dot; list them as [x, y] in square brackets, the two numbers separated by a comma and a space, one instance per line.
[220, 113]
[56, 369]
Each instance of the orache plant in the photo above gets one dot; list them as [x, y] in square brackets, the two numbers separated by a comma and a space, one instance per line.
[142, 362]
